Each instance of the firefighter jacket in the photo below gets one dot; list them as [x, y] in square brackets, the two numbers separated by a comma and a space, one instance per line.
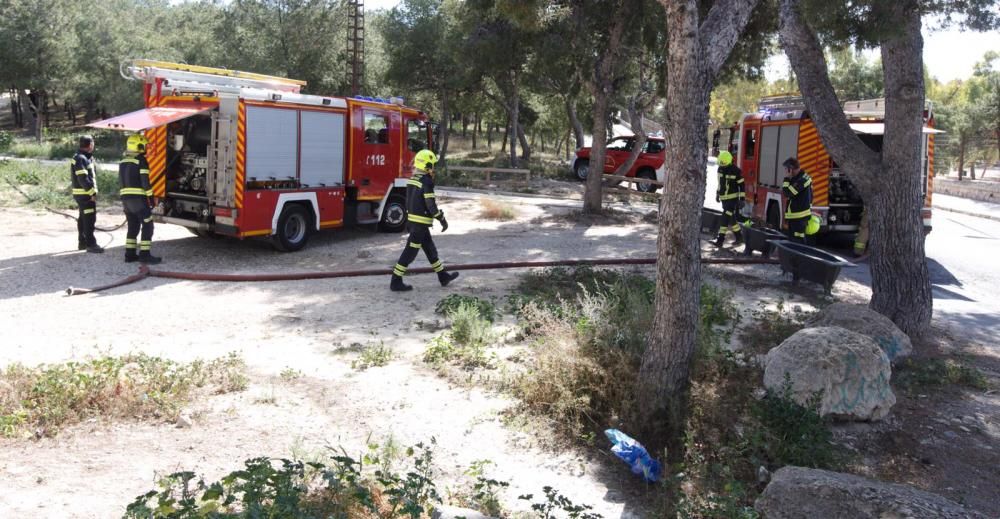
[133, 177]
[730, 183]
[799, 192]
[83, 175]
[421, 206]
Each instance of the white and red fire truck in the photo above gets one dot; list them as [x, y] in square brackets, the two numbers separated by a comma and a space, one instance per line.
[782, 128]
[241, 154]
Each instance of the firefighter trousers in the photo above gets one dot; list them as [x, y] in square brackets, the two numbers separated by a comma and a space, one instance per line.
[730, 217]
[797, 229]
[140, 218]
[420, 238]
[86, 221]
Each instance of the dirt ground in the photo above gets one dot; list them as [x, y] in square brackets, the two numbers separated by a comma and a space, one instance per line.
[94, 469]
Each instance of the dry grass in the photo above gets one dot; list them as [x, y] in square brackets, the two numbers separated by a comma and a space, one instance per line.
[493, 210]
[41, 400]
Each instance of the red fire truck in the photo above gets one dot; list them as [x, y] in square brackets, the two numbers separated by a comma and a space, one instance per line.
[240, 154]
[781, 128]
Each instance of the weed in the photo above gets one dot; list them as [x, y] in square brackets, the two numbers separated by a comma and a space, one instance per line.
[290, 374]
[556, 501]
[935, 372]
[469, 328]
[6, 140]
[485, 491]
[486, 309]
[48, 186]
[444, 349]
[493, 210]
[46, 398]
[373, 355]
[792, 434]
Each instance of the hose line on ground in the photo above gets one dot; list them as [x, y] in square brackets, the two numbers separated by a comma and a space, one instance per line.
[296, 276]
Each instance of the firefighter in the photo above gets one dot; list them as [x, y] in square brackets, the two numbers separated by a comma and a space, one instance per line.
[137, 200]
[798, 189]
[421, 211]
[861, 240]
[83, 179]
[731, 194]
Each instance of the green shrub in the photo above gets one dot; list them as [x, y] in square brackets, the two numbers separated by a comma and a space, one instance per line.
[792, 434]
[343, 488]
[373, 355]
[921, 373]
[484, 308]
[48, 397]
[6, 140]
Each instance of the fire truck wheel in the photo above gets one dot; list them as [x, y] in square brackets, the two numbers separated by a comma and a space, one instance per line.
[647, 174]
[394, 214]
[293, 229]
[581, 168]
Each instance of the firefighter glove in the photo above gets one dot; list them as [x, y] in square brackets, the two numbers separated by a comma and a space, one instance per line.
[444, 222]
[149, 202]
[717, 197]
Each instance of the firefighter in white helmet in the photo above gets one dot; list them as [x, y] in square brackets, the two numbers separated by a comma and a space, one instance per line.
[422, 210]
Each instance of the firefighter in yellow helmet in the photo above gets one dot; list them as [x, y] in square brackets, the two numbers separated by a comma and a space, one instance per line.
[137, 200]
[797, 188]
[731, 194]
[422, 210]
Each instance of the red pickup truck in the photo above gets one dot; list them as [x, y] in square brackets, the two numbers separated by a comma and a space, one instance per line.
[649, 164]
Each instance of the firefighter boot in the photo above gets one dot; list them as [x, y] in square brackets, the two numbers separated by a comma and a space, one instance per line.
[131, 256]
[95, 248]
[720, 240]
[397, 285]
[146, 258]
[737, 237]
[446, 277]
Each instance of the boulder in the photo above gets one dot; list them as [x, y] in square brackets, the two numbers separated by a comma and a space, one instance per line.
[796, 492]
[848, 368]
[454, 512]
[864, 320]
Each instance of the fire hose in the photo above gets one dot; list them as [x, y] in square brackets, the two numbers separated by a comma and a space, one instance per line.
[145, 271]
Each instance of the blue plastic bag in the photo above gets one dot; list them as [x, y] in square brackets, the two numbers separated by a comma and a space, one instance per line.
[633, 453]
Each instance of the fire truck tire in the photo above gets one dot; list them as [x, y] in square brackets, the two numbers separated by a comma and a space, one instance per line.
[647, 174]
[581, 168]
[393, 214]
[293, 229]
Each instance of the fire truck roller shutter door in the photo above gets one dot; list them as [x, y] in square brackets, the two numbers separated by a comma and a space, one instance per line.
[322, 161]
[272, 143]
[769, 156]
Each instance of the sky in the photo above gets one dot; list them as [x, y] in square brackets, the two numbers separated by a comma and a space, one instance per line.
[949, 54]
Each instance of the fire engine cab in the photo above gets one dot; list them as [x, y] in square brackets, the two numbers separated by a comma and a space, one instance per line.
[240, 154]
[782, 128]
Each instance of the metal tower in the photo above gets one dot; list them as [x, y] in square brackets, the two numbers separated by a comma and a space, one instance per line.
[356, 44]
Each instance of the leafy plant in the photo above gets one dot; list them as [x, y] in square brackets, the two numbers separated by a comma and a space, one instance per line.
[485, 309]
[792, 434]
[556, 501]
[373, 355]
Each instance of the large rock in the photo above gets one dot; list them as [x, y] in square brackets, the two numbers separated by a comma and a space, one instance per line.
[848, 368]
[864, 320]
[800, 493]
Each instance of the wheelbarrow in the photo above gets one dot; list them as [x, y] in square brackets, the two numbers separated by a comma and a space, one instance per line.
[810, 263]
[760, 239]
[711, 220]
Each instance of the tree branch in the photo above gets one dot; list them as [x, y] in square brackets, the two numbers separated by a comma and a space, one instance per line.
[719, 31]
[807, 59]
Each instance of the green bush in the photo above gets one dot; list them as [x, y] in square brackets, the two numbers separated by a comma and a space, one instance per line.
[344, 488]
[792, 434]
[6, 140]
[373, 355]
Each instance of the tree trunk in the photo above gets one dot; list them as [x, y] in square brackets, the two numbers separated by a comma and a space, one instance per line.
[890, 182]
[475, 130]
[592, 197]
[489, 136]
[515, 120]
[972, 170]
[961, 155]
[506, 133]
[695, 54]
[525, 146]
[445, 133]
[575, 122]
[635, 120]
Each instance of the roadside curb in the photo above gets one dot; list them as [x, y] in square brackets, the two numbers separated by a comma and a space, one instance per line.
[969, 213]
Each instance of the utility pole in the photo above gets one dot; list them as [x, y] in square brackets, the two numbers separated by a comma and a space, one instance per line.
[356, 43]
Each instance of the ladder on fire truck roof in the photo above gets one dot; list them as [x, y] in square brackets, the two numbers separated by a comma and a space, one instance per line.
[181, 74]
[781, 103]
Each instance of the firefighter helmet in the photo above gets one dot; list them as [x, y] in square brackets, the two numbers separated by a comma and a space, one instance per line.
[812, 226]
[725, 158]
[425, 160]
[136, 143]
